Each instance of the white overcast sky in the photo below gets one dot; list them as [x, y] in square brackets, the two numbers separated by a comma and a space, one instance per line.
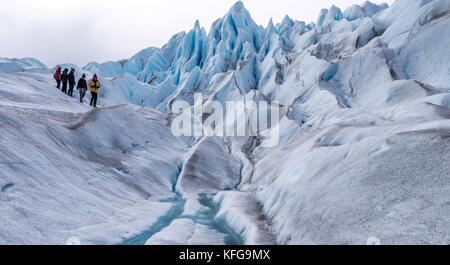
[81, 31]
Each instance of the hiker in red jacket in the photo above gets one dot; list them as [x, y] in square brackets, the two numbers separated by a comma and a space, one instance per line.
[57, 77]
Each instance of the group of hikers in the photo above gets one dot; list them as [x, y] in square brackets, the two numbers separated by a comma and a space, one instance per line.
[65, 77]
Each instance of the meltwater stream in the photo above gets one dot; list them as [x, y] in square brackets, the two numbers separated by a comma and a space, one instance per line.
[205, 216]
[175, 211]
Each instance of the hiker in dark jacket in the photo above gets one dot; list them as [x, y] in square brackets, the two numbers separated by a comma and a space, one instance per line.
[64, 79]
[71, 81]
[82, 87]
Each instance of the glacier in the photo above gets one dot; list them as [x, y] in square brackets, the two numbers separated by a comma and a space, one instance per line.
[363, 151]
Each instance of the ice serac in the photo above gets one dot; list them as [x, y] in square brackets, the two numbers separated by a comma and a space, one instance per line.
[157, 64]
[371, 9]
[362, 152]
[353, 12]
[233, 42]
[227, 38]
[190, 60]
[329, 16]
[136, 64]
